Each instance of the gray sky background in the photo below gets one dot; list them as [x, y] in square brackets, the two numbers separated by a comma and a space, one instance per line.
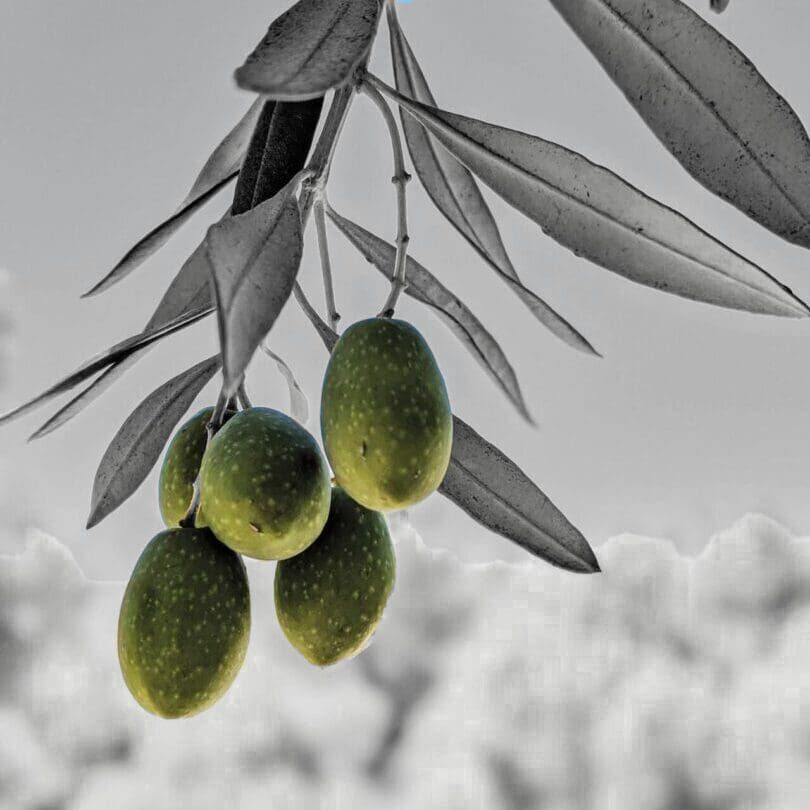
[695, 416]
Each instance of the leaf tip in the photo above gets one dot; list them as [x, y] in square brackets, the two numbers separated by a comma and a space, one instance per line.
[95, 289]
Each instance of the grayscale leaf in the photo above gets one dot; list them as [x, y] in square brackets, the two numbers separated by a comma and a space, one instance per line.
[93, 391]
[599, 216]
[496, 493]
[455, 193]
[101, 361]
[220, 169]
[138, 444]
[227, 158]
[254, 260]
[707, 103]
[427, 289]
[311, 48]
[188, 295]
[719, 5]
[190, 290]
[325, 332]
[299, 404]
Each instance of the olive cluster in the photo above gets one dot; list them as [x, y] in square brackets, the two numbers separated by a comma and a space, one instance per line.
[266, 492]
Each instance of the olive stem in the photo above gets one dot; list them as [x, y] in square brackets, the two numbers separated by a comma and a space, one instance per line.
[324, 152]
[321, 162]
[211, 429]
[400, 180]
[328, 336]
[326, 263]
[242, 396]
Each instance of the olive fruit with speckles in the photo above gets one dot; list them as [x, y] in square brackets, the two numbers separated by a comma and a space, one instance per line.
[264, 485]
[184, 623]
[330, 599]
[181, 465]
[385, 417]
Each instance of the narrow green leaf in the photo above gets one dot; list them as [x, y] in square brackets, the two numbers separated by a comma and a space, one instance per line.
[427, 289]
[138, 444]
[496, 493]
[311, 48]
[254, 260]
[598, 215]
[707, 103]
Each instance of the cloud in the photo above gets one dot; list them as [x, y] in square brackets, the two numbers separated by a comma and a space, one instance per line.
[667, 682]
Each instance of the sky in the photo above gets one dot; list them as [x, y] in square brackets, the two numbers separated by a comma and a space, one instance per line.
[694, 417]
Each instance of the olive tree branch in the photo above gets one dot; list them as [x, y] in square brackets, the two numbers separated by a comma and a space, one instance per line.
[320, 165]
[400, 180]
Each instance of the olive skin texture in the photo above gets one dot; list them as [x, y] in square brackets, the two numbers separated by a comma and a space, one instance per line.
[330, 599]
[184, 624]
[264, 485]
[181, 465]
[385, 416]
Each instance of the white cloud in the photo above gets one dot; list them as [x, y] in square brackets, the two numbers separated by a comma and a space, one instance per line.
[665, 682]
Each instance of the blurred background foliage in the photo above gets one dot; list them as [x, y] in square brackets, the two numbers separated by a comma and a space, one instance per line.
[667, 683]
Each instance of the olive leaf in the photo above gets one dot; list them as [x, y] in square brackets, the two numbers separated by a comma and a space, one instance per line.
[277, 154]
[496, 493]
[282, 136]
[89, 395]
[220, 169]
[254, 260]
[138, 444]
[115, 354]
[312, 47]
[189, 290]
[287, 145]
[252, 161]
[707, 103]
[299, 404]
[455, 193]
[596, 214]
[427, 289]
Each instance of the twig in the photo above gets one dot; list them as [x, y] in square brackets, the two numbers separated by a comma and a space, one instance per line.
[320, 166]
[328, 337]
[400, 180]
[211, 429]
[326, 264]
[324, 152]
[242, 396]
